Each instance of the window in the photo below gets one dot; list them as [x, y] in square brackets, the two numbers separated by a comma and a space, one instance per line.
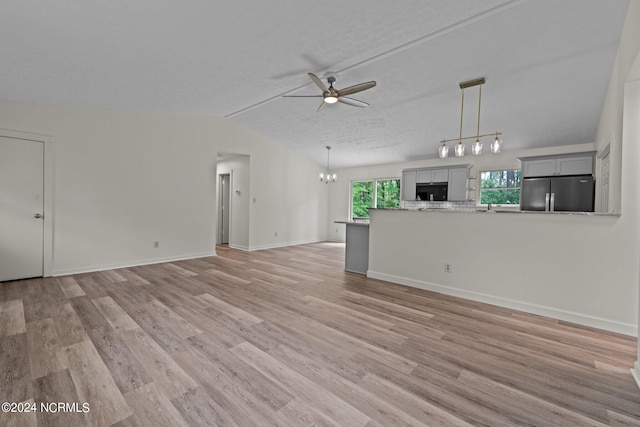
[363, 196]
[500, 187]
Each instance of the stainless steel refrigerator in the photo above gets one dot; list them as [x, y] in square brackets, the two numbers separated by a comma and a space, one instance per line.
[559, 194]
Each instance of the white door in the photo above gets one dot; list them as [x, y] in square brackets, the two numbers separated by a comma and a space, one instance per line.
[21, 208]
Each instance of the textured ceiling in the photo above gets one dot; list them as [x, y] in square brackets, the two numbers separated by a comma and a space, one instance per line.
[547, 65]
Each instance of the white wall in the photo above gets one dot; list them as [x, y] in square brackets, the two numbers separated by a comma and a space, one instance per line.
[123, 180]
[577, 268]
[610, 126]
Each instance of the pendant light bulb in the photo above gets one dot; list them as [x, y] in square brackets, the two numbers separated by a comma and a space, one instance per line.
[443, 151]
[459, 149]
[496, 145]
[476, 148]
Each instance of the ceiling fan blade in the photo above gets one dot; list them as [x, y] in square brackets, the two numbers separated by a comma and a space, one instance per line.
[302, 96]
[320, 107]
[356, 88]
[351, 101]
[318, 82]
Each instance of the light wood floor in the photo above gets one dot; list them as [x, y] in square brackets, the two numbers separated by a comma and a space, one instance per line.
[286, 337]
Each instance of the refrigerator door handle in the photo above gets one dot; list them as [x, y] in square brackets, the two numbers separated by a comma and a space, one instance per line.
[546, 202]
[553, 202]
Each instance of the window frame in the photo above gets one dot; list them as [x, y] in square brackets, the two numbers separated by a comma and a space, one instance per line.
[374, 199]
[503, 205]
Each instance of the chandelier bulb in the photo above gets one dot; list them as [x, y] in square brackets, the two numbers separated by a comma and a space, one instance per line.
[328, 177]
[459, 149]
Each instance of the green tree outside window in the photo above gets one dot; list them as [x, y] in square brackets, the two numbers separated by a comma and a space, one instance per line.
[500, 187]
[386, 195]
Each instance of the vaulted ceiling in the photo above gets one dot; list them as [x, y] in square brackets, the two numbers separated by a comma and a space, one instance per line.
[547, 65]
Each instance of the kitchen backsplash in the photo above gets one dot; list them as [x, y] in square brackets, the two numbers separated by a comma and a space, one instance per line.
[420, 204]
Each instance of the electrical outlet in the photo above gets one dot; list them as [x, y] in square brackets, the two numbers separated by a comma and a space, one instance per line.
[447, 267]
[156, 244]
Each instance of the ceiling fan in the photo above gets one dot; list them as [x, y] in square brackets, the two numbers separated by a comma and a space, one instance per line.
[331, 95]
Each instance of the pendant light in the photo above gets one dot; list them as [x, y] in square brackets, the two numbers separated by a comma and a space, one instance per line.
[476, 147]
[327, 178]
[496, 144]
[460, 147]
[443, 151]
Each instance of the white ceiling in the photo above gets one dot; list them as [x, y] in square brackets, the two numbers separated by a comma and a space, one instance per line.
[547, 65]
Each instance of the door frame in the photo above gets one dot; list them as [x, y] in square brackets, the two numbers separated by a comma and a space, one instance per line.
[48, 234]
[219, 236]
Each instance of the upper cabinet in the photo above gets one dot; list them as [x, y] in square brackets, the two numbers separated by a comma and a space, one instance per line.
[408, 185]
[458, 188]
[564, 164]
[428, 176]
[456, 177]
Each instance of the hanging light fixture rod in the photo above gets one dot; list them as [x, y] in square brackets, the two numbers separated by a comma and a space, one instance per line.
[472, 137]
[472, 83]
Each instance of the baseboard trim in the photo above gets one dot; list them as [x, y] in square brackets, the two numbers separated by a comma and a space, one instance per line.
[635, 371]
[282, 245]
[568, 316]
[65, 272]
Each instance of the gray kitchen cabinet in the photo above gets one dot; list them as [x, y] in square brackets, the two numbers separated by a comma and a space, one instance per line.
[575, 165]
[409, 185]
[564, 164]
[545, 167]
[458, 188]
[432, 175]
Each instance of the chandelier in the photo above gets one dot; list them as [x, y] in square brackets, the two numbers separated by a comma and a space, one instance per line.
[476, 147]
[327, 177]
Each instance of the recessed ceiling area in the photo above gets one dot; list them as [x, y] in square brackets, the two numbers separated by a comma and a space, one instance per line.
[547, 65]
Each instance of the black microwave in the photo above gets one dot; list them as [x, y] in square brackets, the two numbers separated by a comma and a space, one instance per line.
[434, 192]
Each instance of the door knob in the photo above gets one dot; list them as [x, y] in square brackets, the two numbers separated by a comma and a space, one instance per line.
[37, 215]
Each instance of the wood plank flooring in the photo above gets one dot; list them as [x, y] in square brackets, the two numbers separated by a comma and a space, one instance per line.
[286, 337]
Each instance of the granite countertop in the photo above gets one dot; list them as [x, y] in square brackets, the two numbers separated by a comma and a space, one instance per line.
[365, 223]
[498, 210]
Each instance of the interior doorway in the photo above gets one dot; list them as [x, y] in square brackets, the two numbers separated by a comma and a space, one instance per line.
[232, 174]
[224, 208]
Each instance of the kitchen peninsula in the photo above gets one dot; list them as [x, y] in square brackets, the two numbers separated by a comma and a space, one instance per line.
[356, 259]
[552, 264]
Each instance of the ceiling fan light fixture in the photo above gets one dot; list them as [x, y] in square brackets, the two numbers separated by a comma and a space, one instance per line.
[443, 151]
[330, 99]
